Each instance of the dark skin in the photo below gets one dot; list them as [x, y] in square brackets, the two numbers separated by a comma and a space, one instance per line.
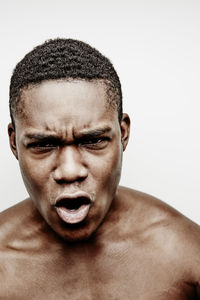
[129, 246]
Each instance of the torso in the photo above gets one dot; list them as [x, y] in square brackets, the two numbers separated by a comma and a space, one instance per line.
[143, 250]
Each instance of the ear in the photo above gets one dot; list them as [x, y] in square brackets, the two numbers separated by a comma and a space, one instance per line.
[12, 139]
[125, 130]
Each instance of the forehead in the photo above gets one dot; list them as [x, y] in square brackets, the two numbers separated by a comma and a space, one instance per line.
[77, 103]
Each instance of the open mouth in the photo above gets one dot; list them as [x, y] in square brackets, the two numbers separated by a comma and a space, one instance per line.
[73, 210]
[73, 204]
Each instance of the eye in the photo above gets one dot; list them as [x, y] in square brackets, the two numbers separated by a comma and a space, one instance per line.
[95, 143]
[42, 146]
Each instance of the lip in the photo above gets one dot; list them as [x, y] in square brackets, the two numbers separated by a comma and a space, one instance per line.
[74, 195]
[73, 216]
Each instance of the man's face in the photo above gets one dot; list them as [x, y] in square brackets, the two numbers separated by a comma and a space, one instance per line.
[69, 144]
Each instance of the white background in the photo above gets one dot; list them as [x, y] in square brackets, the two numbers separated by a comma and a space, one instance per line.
[155, 48]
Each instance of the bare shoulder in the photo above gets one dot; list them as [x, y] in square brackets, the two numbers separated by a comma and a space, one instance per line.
[9, 223]
[18, 227]
[163, 230]
[12, 236]
[147, 212]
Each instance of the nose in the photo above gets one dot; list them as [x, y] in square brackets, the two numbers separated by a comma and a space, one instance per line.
[69, 166]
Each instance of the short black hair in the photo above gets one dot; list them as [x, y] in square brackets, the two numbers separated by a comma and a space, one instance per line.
[64, 58]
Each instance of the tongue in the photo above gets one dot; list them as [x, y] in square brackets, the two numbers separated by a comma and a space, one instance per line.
[73, 216]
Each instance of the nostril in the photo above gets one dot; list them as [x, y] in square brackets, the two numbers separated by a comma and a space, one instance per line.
[69, 169]
[64, 180]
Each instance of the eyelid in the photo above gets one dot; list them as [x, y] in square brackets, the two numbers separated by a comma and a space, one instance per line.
[92, 139]
[54, 143]
[95, 143]
[41, 144]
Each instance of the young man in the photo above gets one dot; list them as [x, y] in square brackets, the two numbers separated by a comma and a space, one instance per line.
[80, 235]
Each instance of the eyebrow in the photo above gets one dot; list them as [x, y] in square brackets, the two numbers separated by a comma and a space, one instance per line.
[94, 133]
[39, 136]
[87, 134]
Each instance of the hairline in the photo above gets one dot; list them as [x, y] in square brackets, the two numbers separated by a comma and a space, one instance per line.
[111, 104]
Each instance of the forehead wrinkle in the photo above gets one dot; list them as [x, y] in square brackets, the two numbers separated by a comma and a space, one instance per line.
[57, 130]
[70, 130]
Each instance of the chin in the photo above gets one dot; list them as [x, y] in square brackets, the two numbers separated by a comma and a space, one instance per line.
[76, 232]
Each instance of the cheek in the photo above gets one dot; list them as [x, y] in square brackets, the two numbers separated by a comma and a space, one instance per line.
[35, 175]
[107, 169]
[114, 171]
[106, 179]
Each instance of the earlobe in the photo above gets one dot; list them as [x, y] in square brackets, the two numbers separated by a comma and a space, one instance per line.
[12, 139]
[125, 130]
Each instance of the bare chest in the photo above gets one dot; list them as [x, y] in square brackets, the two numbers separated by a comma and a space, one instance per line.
[112, 275]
